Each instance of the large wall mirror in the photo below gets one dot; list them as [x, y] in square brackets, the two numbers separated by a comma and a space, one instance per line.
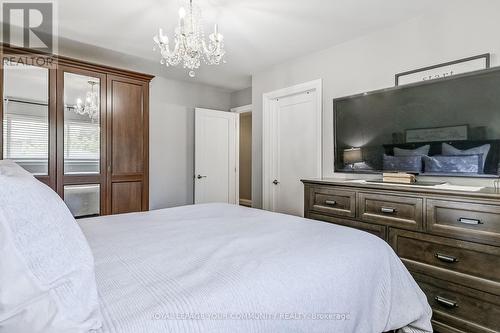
[446, 128]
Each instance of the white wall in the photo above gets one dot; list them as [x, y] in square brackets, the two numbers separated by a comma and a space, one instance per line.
[371, 62]
[171, 124]
[241, 97]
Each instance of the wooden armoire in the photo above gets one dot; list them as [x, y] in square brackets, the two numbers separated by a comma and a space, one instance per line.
[95, 121]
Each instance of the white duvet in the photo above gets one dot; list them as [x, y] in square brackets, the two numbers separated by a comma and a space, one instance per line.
[221, 268]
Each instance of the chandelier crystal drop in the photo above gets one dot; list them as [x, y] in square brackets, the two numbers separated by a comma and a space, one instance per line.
[90, 106]
[189, 46]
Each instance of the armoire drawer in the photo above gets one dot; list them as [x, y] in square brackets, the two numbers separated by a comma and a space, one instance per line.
[374, 229]
[333, 202]
[476, 260]
[462, 308]
[471, 221]
[396, 211]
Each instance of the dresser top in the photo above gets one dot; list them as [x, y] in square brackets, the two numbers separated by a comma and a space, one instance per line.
[444, 189]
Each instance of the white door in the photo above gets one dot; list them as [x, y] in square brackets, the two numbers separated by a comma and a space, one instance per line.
[294, 139]
[216, 156]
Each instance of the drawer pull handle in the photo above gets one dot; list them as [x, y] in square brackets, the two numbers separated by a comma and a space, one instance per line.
[330, 202]
[388, 210]
[446, 302]
[469, 221]
[446, 258]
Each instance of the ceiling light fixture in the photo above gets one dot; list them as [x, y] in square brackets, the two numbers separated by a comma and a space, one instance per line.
[189, 39]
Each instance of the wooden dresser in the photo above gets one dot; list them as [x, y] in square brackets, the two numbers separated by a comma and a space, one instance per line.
[448, 240]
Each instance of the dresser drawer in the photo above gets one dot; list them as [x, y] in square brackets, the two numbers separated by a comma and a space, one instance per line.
[469, 221]
[333, 202]
[462, 308]
[396, 211]
[475, 260]
[374, 229]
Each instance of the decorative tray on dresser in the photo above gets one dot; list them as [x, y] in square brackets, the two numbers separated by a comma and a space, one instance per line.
[449, 241]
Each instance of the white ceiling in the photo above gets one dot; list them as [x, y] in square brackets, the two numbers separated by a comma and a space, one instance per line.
[258, 33]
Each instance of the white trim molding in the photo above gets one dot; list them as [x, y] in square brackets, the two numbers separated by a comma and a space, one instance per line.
[246, 202]
[242, 109]
[317, 86]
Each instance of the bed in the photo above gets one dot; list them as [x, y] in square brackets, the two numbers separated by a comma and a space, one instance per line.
[223, 268]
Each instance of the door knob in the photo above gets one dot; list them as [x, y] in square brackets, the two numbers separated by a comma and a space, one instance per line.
[200, 177]
[275, 182]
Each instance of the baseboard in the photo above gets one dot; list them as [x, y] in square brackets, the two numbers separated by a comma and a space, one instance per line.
[245, 202]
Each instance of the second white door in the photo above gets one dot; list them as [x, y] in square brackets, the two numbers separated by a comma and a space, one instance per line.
[294, 139]
[216, 156]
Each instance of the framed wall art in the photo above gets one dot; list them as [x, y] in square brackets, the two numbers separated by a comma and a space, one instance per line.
[444, 70]
[450, 133]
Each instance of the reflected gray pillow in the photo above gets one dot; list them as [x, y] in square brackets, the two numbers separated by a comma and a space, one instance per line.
[403, 163]
[449, 150]
[420, 151]
[453, 164]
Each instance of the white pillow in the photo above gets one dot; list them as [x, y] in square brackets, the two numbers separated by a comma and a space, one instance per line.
[420, 151]
[10, 168]
[47, 279]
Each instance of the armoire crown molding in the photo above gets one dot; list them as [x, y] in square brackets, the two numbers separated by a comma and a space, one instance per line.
[72, 62]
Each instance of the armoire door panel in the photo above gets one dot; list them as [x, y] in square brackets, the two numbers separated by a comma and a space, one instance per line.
[126, 197]
[128, 136]
[127, 128]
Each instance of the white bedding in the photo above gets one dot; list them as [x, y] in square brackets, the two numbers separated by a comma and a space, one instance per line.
[221, 268]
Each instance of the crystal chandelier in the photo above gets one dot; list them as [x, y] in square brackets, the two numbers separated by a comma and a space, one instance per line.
[91, 105]
[189, 42]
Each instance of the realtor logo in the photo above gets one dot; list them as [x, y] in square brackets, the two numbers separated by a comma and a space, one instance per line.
[29, 25]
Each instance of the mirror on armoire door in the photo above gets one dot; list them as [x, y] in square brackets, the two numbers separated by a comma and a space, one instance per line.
[27, 109]
[81, 141]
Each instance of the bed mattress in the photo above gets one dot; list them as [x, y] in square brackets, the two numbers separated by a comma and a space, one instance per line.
[223, 268]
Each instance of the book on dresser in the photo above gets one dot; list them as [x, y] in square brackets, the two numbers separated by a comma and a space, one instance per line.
[448, 240]
[399, 177]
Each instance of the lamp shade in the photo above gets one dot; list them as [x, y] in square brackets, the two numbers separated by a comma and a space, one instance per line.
[353, 155]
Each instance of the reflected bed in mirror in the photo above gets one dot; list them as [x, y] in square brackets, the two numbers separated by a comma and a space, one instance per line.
[446, 127]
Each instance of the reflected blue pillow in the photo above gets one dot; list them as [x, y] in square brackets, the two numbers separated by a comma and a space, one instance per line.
[483, 150]
[453, 164]
[403, 163]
